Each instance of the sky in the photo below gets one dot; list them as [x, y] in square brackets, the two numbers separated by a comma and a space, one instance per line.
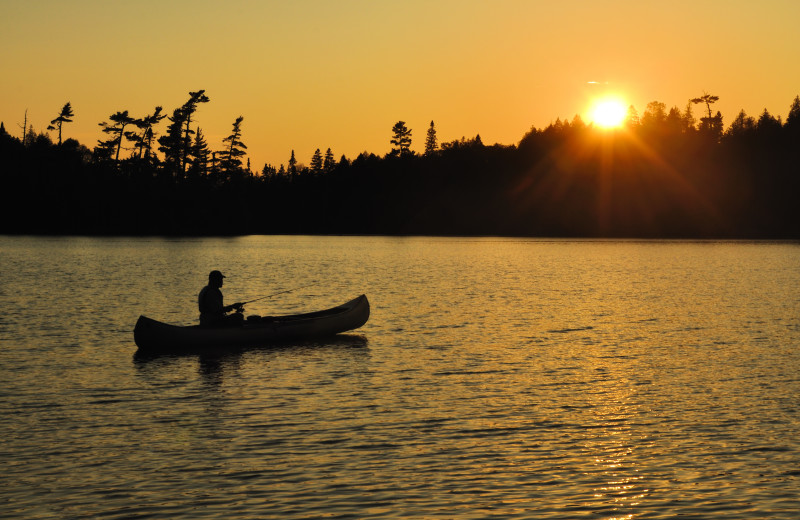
[338, 74]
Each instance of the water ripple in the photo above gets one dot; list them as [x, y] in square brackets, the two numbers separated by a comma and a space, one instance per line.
[497, 378]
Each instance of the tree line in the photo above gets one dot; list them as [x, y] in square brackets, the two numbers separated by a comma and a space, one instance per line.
[664, 173]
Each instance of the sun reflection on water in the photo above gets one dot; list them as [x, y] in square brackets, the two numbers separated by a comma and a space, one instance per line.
[500, 378]
[614, 447]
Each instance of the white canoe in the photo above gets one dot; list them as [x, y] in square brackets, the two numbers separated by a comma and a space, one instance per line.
[153, 336]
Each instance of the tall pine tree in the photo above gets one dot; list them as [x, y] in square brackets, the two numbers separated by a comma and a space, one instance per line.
[63, 117]
[316, 162]
[430, 140]
[143, 139]
[117, 131]
[177, 143]
[401, 139]
[329, 162]
[292, 166]
[231, 161]
[200, 154]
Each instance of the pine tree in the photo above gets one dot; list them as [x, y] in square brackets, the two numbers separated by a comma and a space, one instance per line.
[268, 171]
[143, 139]
[430, 141]
[24, 128]
[171, 144]
[316, 162]
[713, 126]
[292, 165]
[706, 98]
[200, 154]
[767, 123]
[30, 136]
[189, 108]
[793, 119]
[655, 115]
[401, 139]
[117, 130]
[710, 125]
[329, 162]
[178, 141]
[742, 125]
[63, 117]
[689, 121]
[632, 118]
[236, 148]
[674, 122]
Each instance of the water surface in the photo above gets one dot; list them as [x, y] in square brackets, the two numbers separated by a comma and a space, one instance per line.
[496, 378]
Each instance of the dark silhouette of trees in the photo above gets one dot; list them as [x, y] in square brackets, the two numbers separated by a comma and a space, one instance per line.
[742, 126]
[232, 158]
[709, 125]
[200, 155]
[674, 122]
[172, 143]
[658, 176]
[176, 144]
[430, 140]
[654, 116]
[24, 127]
[187, 111]
[768, 123]
[292, 166]
[329, 162]
[316, 162]
[116, 129]
[706, 99]
[143, 140]
[793, 119]
[401, 139]
[689, 121]
[63, 117]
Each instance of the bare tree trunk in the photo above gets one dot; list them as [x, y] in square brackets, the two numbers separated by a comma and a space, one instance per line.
[24, 127]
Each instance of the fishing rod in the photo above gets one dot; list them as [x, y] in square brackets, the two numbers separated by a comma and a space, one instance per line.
[281, 292]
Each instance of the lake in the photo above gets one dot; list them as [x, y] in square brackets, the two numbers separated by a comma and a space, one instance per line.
[496, 378]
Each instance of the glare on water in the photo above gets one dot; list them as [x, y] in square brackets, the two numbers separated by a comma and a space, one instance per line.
[501, 378]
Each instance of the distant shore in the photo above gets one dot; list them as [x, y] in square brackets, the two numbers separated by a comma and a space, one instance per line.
[653, 180]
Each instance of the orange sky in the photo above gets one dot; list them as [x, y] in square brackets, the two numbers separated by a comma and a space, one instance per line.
[322, 73]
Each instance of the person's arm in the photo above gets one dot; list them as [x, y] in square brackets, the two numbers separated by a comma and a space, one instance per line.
[238, 306]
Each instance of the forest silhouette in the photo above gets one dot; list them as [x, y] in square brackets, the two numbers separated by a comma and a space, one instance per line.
[664, 174]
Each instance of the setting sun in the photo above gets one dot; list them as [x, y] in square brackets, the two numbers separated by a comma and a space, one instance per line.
[608, 113]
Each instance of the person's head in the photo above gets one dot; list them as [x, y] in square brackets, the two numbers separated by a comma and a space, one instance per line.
[215, 278]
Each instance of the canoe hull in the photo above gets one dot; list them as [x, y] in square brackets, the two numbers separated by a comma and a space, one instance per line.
[154, 336]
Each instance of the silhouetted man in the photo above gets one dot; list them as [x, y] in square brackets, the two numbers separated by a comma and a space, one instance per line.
[212, 310]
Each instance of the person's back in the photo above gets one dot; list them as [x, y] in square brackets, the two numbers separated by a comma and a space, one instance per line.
[210, 303]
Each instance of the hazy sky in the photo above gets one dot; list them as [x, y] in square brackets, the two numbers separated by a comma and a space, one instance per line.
[309, 74]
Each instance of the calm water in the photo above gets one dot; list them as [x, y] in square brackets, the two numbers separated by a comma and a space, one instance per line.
[496, 378]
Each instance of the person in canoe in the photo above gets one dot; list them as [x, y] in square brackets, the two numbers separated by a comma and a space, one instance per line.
[213, 312]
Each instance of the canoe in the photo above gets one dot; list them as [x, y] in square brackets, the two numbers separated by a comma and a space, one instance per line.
[154, 336]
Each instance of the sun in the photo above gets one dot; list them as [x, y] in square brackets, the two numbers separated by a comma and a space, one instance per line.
[608, 113]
